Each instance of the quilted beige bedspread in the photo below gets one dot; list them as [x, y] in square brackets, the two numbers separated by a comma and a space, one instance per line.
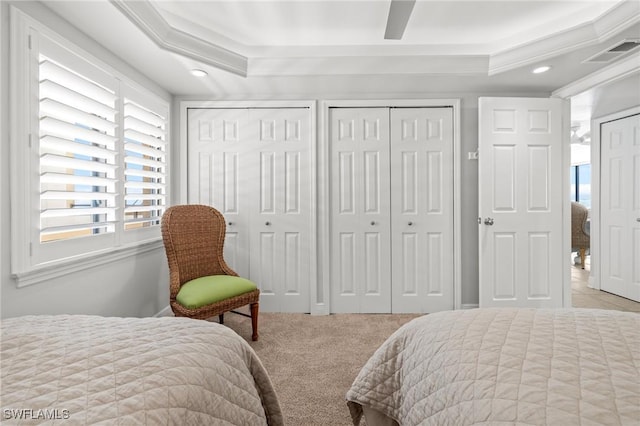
[509, 366]
[149, 371]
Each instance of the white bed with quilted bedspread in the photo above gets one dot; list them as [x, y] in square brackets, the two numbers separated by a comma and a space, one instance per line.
[154, 371]
[505, 366]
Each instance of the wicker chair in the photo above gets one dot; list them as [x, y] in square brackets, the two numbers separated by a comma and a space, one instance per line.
[201, 284]
[580, 239]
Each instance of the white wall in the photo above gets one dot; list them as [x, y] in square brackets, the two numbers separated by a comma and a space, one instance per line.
[136, 286]
[4, 148]
[617, 96]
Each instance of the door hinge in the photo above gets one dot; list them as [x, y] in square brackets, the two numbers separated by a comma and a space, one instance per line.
[29, 41]
[30, 140]
[30, 249]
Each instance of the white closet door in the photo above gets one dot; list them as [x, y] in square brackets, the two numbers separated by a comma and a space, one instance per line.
[360, 196]
[217, 143]
[279, 169]
[422, 209]
[520, 200]
[620, 207]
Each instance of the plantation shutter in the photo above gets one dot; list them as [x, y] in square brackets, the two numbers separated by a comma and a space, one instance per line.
[145, 165]
[78, 151]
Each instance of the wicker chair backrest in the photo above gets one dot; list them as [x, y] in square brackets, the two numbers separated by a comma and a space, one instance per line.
[193, 237]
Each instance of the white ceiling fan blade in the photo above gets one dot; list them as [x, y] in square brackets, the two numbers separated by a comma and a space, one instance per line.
[399, 13]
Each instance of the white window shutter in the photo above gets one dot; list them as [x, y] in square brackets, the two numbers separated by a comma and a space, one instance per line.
[78, 170]
[81, 192]
[145, 165]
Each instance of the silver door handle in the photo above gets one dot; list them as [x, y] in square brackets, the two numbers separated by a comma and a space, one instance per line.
[488, 221]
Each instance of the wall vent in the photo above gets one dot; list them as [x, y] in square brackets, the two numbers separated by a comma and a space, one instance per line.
[614, 52]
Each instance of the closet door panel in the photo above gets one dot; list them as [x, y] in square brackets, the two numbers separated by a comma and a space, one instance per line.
[345, 276]
[373, 252]
[279, 165]
[264, 266]
[217, 143]
[293, 275]
[360, 230]
[422, 209]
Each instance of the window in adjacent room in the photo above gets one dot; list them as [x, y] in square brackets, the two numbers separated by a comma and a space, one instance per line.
[581, 184]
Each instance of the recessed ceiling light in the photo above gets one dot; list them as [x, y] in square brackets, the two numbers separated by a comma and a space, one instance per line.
[542, 69]
[199, 73]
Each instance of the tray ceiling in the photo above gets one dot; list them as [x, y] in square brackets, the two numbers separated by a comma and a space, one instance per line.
[449, 45]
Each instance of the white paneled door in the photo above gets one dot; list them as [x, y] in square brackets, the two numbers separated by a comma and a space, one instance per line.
[620, 207]
[279, 170]
[218, 141]
[422, 209]
[360, 205]
[254, 165]
[391, 209]
[520, 202]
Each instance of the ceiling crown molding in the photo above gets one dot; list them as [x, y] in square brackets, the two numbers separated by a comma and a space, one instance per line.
[622, 16]
[370, 65]
[616, 71]
[145, 16]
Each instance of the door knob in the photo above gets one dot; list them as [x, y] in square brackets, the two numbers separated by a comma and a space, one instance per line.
[488, 221]
[230, 223]
[638, 219]
[267, 223]
[373, 222]
[410, 223]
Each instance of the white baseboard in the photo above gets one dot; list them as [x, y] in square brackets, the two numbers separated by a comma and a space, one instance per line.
[319, 309]
[166, 312]
[469, 306]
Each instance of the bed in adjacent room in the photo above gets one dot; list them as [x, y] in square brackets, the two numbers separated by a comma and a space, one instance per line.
[515, 366]
[89, 369]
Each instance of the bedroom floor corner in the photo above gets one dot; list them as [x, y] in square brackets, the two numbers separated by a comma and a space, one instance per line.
[585, 297]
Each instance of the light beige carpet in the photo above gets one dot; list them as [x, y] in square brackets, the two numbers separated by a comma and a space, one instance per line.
[312, 360]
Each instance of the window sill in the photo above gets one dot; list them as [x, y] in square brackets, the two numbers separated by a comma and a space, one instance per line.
[70, 266]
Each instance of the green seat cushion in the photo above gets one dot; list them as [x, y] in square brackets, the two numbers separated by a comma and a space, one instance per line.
[211, 289]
